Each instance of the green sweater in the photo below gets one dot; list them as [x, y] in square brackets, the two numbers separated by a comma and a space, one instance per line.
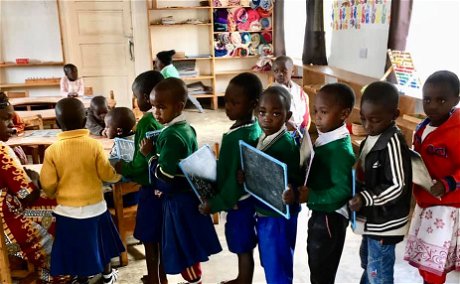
[330, 181]
[228, 164]
[284, 150]
[137, 169]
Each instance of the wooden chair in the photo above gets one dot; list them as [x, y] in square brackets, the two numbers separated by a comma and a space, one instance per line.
[17, 94]
[125, 218]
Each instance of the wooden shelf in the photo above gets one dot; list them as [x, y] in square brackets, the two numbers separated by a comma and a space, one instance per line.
[24, 85]
[179, 25]
[251, 32]
[205, 77]
[236, 57]
[180, 8]
[230, 7]
[220, 94]
[233, 72]
[5, 65]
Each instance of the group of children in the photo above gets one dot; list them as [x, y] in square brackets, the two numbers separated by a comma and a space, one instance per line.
[176, 229]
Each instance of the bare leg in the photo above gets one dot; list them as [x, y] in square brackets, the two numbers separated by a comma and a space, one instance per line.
[151, 258]
[245, 269]
[161, 269]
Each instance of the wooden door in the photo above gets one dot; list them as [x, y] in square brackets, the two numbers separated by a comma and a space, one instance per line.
[100, 43]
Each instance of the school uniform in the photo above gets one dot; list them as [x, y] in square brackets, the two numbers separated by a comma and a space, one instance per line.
[231, 197]
[86, 238]
[275, 234]
[329, 185]
[188, 236]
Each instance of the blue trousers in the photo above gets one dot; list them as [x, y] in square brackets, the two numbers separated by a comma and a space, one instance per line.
[276, 237]
[377, 260]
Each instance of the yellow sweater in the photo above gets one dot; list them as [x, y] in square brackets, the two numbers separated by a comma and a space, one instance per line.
[74, 168]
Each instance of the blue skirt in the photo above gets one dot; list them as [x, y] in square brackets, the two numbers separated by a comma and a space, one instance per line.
[188, 236]
[82, 247]
[149, 218]
[240, 228]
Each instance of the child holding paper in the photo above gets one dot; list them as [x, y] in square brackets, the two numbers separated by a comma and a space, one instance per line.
[383, 181]
[435, 222]
[329, 182]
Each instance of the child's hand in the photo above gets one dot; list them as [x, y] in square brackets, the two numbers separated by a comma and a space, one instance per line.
[30, 199]
[34, 176]
[72, 95]
[118, 167]
[240, 177]
[438, 189]
[204, 208]
[355, 203]
[303, 194]
[146, 146]
[289, 195]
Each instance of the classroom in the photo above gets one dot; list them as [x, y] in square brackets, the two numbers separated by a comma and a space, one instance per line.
[229, 141]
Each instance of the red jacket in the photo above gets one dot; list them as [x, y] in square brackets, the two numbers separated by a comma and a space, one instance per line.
[441, 153]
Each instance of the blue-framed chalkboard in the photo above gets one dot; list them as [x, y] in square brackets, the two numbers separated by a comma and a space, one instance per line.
[200, 170]
[265, 178]
[124, 149]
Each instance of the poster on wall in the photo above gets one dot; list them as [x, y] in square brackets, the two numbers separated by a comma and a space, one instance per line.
[353, 14]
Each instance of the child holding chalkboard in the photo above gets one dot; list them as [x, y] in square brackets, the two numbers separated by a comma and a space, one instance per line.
[241, 98]
[149, 212]
[188, 236]
[329, 182]
[277, 235]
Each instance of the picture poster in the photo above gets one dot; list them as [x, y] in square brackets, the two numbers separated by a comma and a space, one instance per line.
[353, 14]
[403, 68]
[124, 149]
[306, 155]
[200, 170]
[265, 178]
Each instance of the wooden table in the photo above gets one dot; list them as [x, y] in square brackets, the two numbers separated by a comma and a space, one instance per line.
[51, 101]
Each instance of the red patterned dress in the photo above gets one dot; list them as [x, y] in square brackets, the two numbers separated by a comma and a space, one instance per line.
[28, 231]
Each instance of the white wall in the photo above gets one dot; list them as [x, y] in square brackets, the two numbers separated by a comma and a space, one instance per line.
[142, 61]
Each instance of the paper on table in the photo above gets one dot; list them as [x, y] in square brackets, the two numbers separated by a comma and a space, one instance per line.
[420, 174]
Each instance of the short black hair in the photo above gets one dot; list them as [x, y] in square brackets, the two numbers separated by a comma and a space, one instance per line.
[343, 94]
[445, 77]
[145, 82]
[122, 117]
[382, 93]
[98, 101]
[282, 92]
[175, 86]
[69, 66]
[283, 59]
[70, 114]
[166, 56]
[251, 84]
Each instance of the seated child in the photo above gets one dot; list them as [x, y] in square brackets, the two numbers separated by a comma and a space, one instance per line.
[241, 98]
[275, 234]
[329, 183]
[73, 171]
[283, 68]
[435, 221]
[95, 114]
[71, 85]
[163, 62]
[22, 208]
[119, 122]
[188, 236]
[383, 183]
[149, 211]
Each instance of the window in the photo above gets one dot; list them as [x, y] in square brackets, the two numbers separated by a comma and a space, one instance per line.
[295, 17]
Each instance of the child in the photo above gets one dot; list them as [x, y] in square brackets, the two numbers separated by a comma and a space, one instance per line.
[71, 85]
[275, 234]
[27, 217]
[149, 210]
[283, 68]
[168, 70]
[241, 98]
[435, 222]
[188, 236]
[73, 170]
[329, 182]
[97, 110]
[384, 179]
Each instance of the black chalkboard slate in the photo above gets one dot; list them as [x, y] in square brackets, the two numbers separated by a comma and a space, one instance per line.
[200, 169]
[265, 178]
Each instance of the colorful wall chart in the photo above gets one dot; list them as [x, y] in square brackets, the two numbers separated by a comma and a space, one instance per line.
[403, 68]
[353, 14]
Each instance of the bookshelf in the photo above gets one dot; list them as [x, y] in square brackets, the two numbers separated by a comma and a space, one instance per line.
[193, 29]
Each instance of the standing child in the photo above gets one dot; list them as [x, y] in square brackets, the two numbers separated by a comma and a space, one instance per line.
[95, 115]
[241, 98]
[275, 234]
[435, 222]
[86, 238]
[71, 85]
[329, 182]
[283, 68]
[383, 183]
[149, 210]
[188, 236]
